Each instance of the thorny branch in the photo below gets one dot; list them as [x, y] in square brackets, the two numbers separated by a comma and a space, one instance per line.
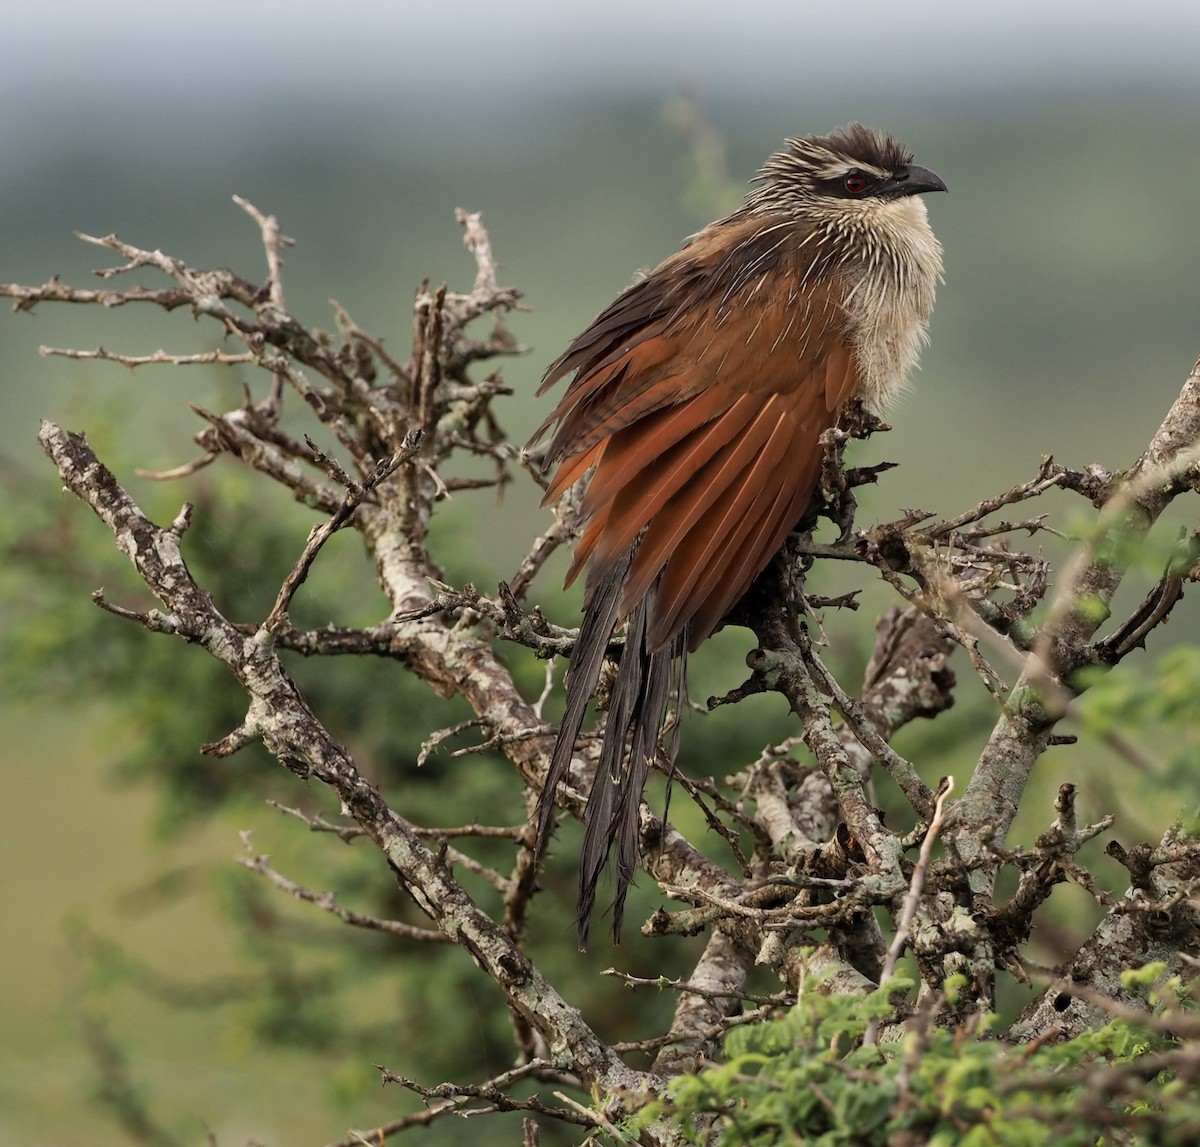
[814, 852]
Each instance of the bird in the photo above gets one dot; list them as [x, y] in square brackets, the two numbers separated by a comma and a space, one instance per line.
[694, 410]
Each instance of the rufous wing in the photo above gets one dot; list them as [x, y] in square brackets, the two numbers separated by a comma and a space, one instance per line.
[698, 401]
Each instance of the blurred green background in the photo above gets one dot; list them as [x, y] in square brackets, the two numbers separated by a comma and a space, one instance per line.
[1069, 136]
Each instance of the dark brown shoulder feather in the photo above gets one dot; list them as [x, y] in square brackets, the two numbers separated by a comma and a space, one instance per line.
[616, 359]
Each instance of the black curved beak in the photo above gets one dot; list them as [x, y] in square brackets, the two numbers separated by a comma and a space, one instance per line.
[913, 180]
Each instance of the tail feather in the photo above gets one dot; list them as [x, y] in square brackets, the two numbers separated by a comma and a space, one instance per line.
[645, 683]
[587, 658]
[663, 676]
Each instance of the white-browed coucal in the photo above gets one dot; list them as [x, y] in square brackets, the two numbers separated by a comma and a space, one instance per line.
[696, 405]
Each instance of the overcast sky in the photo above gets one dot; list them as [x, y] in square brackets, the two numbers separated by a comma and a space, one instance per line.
[54, 48]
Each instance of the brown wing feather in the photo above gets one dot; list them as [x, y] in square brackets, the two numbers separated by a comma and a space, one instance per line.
[691, 513]
[609, 396]
[640, 311]
[572, 470]
[646, 442]
[706, 575]
[647, 333]
[705, 572]
[650, 478]
[841, 376]
[736, 558]
[587, 545]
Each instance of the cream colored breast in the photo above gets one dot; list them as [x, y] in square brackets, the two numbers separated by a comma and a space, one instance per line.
[890, 291]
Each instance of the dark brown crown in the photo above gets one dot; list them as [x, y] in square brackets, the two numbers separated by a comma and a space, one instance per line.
[866, 145]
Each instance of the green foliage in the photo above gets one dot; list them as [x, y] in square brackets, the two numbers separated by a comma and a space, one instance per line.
[806, 1078]
[1121, 544]
[1161, 697]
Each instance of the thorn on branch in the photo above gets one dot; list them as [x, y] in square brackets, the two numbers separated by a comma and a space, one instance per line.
[479, 243]
[440, 736]
[779, 1000]
[331, 467]
[1064, 805]
[841, 601]
[1064, 835]
[749, 688]
[25, 298]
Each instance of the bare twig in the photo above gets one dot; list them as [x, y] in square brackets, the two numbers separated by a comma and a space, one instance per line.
[158, 358]
[274, 240]
[321, 534]
[912, 899]
[462, 1099]
[327, 901]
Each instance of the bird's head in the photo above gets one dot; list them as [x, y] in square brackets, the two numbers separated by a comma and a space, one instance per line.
[849, 171]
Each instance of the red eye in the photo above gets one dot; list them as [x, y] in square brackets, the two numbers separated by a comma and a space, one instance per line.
[855, 183]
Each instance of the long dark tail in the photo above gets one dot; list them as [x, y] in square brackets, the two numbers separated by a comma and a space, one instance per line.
[645, 683]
